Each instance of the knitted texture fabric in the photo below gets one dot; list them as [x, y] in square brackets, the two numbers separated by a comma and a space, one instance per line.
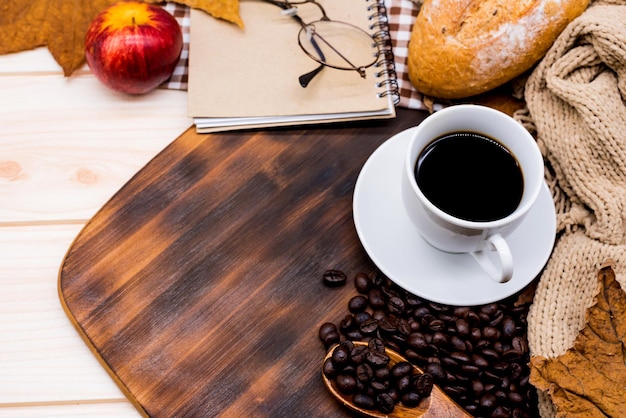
[576, 105]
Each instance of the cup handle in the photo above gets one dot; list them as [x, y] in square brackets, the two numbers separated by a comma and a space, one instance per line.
[495, 243]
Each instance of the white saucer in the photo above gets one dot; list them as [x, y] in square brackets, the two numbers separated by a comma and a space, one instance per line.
[397, 249]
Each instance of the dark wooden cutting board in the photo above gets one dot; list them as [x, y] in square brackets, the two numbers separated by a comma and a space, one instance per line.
[198, 285]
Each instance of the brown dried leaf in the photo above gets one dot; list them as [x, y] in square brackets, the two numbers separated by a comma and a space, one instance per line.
[589, 380]
[61, 25]
[220, 9]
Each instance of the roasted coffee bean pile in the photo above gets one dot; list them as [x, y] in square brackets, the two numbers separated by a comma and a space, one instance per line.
[477, 355]
[365, 374]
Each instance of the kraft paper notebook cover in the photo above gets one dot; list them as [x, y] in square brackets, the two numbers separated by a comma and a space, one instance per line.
[248, 78]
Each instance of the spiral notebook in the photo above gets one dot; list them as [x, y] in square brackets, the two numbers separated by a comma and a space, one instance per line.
[248, 78]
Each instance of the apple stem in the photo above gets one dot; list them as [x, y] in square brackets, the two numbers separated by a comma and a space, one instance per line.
[133, 20]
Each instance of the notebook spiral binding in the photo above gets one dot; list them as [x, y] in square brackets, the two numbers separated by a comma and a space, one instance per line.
[382, 38]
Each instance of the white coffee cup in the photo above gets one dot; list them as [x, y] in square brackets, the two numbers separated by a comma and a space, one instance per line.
[484, 240]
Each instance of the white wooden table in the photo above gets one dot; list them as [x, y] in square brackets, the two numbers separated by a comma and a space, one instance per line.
[66, 146]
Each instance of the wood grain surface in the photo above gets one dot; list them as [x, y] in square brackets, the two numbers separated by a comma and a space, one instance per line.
[198, 285]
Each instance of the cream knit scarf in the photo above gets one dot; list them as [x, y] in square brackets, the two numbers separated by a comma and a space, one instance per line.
[576, 99]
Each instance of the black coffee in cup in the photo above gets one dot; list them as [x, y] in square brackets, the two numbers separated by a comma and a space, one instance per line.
[470, 176]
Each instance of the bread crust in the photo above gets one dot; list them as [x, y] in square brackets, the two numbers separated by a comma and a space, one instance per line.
[460, 48]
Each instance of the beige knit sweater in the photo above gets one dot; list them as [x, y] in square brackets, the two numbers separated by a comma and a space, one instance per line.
[576, 100]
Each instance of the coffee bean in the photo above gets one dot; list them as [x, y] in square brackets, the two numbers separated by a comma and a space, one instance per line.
[369, 326]
[490, 354]
[457, 344]
[512, 355]
[476, 334]
[387, 326]
[379, 385]
[340, 357]
[364, 401]
[436, 370]
[401, 369]
[501, 368]
[438, 307]
[477, 387]
[516, 398]
[403, 327]
[382, 373]
[424, 385]
[326, 328]
[329, 369]
[346, 384]
[440, 339]
[357, 304]
[420, 311]
[515, 370]
[395, 305]
[347, 323]
[496, 318]
[410, 399]
[385, 403]
[491, 333]
[331, 339]
[472, 318]
[376, 345]
[417, 341]
[470, 369]
[501, 396]
[472, 409]
[462, 327]
[334, 278]
[500, 412]
[484, 344]
[329, 334]
[394, 394]
[354, 335]
[449, 363]
[427, 319]
[519, 344]
[361, 317]
[377, 359]
[489, 309]
[363, 283]
[412, 300]
[376, 298]
[460, 357]
[509, 328]
[488, 401]
[403, 384]
[358, 354]
[479, 361]
[437, 325]
[364, 373]
[379, 314]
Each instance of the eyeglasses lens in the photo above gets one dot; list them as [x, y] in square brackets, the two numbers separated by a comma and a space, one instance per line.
[342, 45]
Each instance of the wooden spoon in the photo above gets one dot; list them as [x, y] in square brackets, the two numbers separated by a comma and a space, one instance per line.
[438, 404]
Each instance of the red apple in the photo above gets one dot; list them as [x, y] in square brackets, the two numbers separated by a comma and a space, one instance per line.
[133, 47]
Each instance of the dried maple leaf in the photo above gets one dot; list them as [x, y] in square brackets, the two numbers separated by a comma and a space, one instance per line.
[221, 9]
[589, 380]
[61, 25]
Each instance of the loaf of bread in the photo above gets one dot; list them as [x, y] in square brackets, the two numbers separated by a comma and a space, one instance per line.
[460, 48]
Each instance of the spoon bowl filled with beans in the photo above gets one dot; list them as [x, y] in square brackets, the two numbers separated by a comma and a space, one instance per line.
[376, 381]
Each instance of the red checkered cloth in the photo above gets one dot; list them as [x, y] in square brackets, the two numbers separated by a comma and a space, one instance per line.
[178, 80]
[401, 15]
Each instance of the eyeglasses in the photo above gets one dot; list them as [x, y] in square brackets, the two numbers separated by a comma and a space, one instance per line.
[331, 43]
